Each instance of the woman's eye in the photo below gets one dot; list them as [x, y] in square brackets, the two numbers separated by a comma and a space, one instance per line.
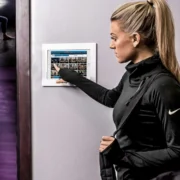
[113, 38]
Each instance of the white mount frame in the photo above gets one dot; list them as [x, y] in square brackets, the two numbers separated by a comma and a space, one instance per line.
[91, 60]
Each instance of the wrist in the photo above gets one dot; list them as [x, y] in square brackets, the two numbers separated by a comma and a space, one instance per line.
[113, 152]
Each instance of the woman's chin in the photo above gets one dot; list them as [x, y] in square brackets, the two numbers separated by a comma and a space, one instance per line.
[120, 60]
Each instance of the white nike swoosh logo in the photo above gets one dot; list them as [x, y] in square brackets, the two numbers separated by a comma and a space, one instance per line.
[173, 112]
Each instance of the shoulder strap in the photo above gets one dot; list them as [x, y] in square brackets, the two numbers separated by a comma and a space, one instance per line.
[134, 102]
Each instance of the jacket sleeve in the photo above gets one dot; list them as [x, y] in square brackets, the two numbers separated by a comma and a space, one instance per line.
[94, 90]
[166, 99]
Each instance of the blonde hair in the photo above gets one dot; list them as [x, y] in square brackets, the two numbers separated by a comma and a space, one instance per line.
[153, 20]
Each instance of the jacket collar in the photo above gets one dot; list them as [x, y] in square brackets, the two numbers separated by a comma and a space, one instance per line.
[142, 69]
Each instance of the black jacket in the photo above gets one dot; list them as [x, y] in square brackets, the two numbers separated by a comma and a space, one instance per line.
[149, 143]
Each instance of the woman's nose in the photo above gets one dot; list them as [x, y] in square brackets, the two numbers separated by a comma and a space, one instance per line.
[112, 46]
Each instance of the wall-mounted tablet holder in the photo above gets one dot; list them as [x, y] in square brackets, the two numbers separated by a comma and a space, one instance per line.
[80, 57]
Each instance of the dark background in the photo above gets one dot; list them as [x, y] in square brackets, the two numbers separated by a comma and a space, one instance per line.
[8, 99]
[7, 48]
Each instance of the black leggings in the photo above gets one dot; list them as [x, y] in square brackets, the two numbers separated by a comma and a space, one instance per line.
[3, 21]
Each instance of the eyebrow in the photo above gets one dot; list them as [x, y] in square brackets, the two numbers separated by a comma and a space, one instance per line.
[112, 34]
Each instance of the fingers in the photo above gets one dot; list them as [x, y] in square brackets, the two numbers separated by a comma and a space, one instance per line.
[101, 149]
[60, 81]
[56, 67]
[107, 138]
[105, 142]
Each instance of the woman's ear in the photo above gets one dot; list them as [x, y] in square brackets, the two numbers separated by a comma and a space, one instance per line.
[135, 37]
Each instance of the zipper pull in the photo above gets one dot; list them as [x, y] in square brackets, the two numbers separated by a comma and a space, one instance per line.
[127, 103]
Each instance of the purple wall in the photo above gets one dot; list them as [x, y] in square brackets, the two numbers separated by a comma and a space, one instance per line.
[8, 136]
[8, 121]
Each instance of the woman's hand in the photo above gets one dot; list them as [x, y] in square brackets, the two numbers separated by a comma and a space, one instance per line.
[58, 69]
[105, 142]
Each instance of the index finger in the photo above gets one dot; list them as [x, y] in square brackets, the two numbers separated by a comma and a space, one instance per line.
[56, 67]
[108, 138]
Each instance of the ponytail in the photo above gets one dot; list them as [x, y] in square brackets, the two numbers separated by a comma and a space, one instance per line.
[165, 35]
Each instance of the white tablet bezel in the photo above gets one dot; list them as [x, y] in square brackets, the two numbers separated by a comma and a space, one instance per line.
[91, 60]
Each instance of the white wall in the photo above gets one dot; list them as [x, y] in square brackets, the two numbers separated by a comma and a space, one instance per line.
[66, 124]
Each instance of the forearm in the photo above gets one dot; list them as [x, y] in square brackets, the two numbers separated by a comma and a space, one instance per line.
[153, 159]
[94, 90]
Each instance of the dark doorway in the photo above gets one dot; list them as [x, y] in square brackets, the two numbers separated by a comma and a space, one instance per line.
[8, 93]
[15, 91]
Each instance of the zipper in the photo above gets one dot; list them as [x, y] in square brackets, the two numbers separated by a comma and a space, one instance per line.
[127, 103]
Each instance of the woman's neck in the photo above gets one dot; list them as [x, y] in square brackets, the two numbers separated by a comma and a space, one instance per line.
[142, 55]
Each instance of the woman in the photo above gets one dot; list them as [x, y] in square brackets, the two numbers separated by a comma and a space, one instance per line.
[148, 146]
